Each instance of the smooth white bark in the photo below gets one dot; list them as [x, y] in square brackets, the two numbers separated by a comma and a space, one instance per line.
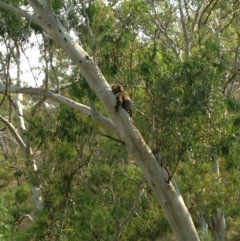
[99, 118]
[204, 228]
[217, 223]
[35, 190]
[36, 194]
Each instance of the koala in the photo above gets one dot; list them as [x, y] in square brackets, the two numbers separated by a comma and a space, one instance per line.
[123, 99]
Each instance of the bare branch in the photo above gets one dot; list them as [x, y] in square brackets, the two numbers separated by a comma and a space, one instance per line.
[131, 213]
[89, 28]
[110, 137]
[49, 5]
[19, 12]
[162, 29]
[65, 15]
[102, 120]
[14, 132]
[42, 100]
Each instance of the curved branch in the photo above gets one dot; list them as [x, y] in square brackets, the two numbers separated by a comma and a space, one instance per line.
[14, 132]
[102, 120]
[66, 14]
[43, 98]
[121, 225]
[18, 12]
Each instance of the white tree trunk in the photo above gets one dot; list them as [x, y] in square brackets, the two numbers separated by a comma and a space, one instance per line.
[204, 228]
[217, 223]
[166, 192]
[35, 190]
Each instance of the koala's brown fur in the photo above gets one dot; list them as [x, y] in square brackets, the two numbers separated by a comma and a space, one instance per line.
[123, 99]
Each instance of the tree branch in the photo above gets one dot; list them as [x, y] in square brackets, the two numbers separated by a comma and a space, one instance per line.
[43, 98]
[14, 132]
[19, 12]
[65, 15]
[131, 213]
[102, 120]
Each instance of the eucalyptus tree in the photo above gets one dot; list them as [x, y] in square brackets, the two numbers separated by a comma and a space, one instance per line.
[164, 188]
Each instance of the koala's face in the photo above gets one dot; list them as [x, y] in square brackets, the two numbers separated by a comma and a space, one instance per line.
[116, 88]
